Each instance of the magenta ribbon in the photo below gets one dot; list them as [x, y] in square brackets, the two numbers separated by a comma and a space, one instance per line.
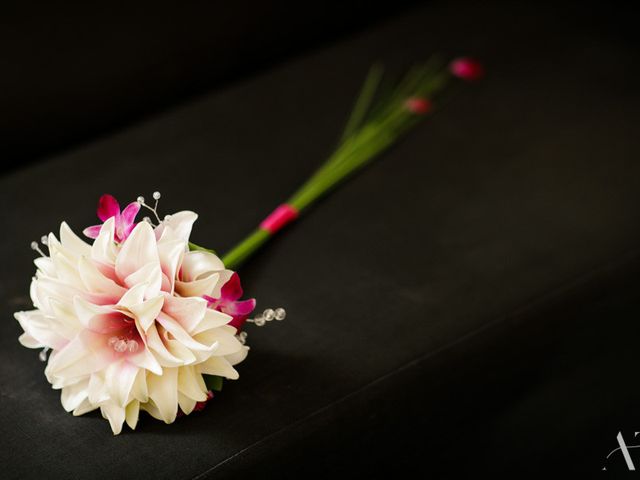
[281, 216]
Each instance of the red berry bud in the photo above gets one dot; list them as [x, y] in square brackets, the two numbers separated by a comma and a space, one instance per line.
[418, 105]
[466, 69]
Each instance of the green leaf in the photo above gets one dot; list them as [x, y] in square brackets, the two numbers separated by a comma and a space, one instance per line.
[363, 103]
[194, 247]
[213, 382]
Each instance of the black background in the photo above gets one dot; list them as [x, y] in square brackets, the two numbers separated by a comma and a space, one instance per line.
[76, 70]
[467, 305]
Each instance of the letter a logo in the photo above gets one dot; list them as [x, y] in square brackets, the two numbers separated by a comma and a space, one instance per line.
[625, 451]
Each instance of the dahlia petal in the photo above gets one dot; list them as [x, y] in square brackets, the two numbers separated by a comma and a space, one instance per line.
[166, 285]
[181, 334]
[165, 357]
[191, 384]
[119, 379]
[67, 323]
[133, 296]
[151, 409]
[223, 337]
[70, 253]
[178, 350]
[73, 395]
[104, 249]
[212, 319]
[46, 266]
[239, 356]
[108, 207]
[84, 366]
[219, 366]
[97, 391]
[198, 263]
[170, 254]
[35, 298]
[115, 414]
[147, 312]
[28, 341]
[132, 412]
[66, 270]
[138, 251]
[95, 281]
[107, 270]
[188, 311]
[78, 358]
[198, 288]
[92, 316]
[85, 407]
[48, 290]
[139, 389]
[41, 328]
[72, 242]
[186, 404]
[181, 223]
[150, 275]
[144, 359]
[163, 390]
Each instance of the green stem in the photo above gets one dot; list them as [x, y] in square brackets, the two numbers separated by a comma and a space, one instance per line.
[362, 141]
[364, 100]
[244, 249]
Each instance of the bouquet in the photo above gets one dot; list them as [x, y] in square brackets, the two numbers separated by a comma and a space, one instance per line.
[144, 320]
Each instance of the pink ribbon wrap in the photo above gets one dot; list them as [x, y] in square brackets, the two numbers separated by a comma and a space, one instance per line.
[281, 216]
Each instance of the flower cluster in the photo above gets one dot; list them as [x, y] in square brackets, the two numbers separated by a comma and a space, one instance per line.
[136, 319]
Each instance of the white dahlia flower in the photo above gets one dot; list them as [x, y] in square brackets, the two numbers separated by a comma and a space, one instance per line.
[134, 320]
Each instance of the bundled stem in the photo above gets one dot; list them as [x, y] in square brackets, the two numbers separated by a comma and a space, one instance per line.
[368, 132]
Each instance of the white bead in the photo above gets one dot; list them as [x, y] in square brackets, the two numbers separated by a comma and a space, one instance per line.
[140, 200]
[112, 341]
[44, 240]
[132, 346]
[156, 195]
[280, 313]
[242, 337]
[34, 245]
[259, 321]
[43, 355]
[269, 314]
[120, 346]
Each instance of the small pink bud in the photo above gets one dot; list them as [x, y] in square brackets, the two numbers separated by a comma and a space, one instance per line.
[200, 405]
[418, 105]
[466, 69]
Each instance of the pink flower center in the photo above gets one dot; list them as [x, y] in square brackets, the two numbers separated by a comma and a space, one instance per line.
[126, 338]
[122, 344]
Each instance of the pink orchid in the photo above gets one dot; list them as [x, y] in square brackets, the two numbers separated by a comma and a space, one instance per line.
[109, 207]
[228, 302]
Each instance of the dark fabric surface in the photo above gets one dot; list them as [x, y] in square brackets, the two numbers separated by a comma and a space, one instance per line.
[74, 70]
[545, 388]
[473, 251]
